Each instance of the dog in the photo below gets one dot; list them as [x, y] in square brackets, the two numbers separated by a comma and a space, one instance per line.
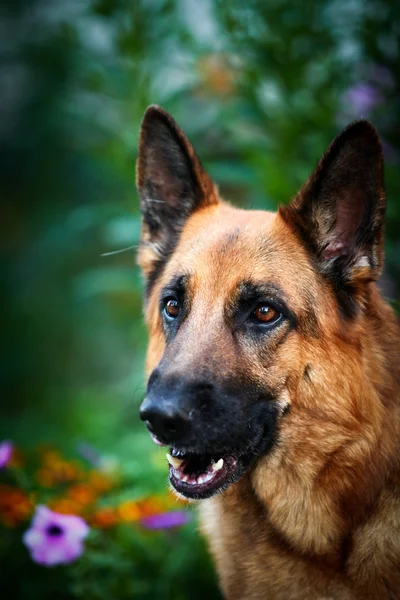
[273, 366]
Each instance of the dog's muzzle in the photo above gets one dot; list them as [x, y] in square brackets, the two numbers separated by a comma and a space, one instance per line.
[215, 432]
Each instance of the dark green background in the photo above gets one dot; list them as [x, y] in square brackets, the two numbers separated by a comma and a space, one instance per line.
[259, 87]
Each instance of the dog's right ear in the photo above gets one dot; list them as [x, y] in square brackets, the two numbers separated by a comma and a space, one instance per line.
[172, 185]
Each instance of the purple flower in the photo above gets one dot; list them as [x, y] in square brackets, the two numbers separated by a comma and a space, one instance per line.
[361, 99]
[6, 450]
[166, 520]
[55, 539]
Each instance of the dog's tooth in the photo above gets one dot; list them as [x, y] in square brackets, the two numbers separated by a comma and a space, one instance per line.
[201, 479]
[184, 478]
[218, 465]
[175, 462]
[178, 453]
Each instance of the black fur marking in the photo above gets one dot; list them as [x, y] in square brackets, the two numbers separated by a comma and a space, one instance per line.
[160, 264]
[156, 272]
[348, 305]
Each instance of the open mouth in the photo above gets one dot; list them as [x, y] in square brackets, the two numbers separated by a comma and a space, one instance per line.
[200, 476]
[199, 472]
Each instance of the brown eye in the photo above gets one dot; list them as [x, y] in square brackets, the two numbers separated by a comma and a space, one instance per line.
[172, 309]
[266, 313]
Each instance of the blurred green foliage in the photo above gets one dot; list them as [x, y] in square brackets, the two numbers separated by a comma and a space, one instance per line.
[260, 88]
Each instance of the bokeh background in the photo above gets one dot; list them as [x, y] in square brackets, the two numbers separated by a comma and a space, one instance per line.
[260, 88]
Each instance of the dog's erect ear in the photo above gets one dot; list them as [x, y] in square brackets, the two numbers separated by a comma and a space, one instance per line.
[339, 212]
[171, 183]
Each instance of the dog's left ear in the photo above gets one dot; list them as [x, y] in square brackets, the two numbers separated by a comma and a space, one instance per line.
[339, 212]
[172, 185]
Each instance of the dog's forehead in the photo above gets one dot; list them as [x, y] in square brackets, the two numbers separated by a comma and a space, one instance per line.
[225, 245]
[224, 233]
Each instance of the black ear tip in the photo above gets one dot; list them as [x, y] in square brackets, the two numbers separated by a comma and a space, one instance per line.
[363, 126]
[363, 130]
[156, 114]
[154, 110]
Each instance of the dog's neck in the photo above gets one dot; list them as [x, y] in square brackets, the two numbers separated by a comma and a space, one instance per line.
[321, 482]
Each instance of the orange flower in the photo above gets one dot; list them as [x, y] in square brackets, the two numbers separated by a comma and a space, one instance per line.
[66, 506]
[150, 506]
[104, 517]
[15, 505]
[82, 493]
[129, 511]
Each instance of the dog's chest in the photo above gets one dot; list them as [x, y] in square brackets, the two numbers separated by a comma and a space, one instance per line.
[252, 564]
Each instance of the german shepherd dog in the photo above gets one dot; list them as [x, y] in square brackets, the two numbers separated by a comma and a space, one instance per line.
[274, 369]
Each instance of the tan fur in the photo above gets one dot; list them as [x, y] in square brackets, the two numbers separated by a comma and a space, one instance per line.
[318, 517]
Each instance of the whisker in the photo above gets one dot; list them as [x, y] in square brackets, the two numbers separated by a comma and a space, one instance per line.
[119, 251]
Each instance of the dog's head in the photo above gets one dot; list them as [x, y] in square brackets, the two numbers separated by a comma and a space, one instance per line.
[243, 306]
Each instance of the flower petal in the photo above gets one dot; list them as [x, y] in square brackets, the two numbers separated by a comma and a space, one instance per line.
[33, 538]
[6, 450]
[42, 517]
[50, 554]
[166, 520]
[75, 527]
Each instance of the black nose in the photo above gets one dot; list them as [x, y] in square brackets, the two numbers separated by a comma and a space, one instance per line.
[164, 418]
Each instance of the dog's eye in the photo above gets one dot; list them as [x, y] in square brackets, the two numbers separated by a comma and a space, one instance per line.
[264, 313]
[172, 308]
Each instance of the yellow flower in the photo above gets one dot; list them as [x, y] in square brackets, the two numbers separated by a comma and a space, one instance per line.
[100, 482]
[57, 471]
[129, 511]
